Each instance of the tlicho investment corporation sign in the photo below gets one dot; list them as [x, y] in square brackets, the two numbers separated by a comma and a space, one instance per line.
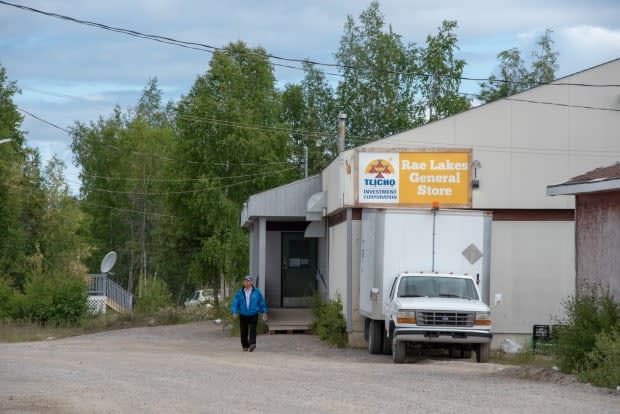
[415, 178]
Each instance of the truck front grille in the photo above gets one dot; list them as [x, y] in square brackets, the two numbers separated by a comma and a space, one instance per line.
[445, 318]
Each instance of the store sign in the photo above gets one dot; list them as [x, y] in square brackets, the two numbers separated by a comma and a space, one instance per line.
[415, 178]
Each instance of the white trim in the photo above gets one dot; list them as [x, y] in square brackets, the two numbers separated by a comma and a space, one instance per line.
[591, 187]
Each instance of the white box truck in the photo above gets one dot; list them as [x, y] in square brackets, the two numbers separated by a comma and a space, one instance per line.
[424, 280]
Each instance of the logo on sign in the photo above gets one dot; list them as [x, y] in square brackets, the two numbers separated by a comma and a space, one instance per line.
[379, 173]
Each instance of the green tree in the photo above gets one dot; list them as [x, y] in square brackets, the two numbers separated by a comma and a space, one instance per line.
[441, 74]
[544, 60]
[514, 77]
[377, 90]
[21, 191]
[123, 162]
[231, 144]
[311, 111]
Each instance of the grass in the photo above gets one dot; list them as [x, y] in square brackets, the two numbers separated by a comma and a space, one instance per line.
[523, 358]
[25, 331]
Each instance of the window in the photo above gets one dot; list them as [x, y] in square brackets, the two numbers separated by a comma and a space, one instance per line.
[444, 287]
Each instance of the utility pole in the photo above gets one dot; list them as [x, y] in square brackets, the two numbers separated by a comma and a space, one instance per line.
[342, 120]
[305, 161]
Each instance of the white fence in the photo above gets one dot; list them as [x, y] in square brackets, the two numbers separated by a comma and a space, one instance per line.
[115, 296]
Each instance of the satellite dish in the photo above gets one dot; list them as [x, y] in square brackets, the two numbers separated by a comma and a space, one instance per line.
[108, 262]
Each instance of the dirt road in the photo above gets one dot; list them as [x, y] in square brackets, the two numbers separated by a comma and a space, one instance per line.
[195, 368]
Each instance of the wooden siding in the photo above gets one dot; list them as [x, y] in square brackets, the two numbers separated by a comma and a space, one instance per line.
[597, 240]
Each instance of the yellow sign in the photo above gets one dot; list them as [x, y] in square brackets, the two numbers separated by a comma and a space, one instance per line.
[415, 178]
[434, 176]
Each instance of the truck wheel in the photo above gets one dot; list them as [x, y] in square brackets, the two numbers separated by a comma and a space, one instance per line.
[375, 333]
[398, 352]
[387, 345]
[482, 352]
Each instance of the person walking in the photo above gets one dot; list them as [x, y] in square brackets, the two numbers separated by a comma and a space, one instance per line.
[247, 304]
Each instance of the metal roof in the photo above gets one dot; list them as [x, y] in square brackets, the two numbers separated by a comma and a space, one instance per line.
[598, 180]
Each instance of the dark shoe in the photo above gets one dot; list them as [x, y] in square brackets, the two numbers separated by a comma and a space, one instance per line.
[252, 347]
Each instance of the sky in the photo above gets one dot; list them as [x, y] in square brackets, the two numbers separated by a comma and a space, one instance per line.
[72, 72]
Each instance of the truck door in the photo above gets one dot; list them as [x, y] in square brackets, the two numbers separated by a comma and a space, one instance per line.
[388, 306]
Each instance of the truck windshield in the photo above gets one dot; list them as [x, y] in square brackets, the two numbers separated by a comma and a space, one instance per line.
[437, 287]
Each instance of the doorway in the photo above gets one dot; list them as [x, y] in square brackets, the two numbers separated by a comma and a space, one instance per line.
[299, 264]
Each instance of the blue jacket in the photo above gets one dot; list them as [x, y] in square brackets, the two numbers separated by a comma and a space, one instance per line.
[257, 303]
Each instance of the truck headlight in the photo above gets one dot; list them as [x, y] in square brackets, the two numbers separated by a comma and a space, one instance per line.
[406, 316]
[483, 318]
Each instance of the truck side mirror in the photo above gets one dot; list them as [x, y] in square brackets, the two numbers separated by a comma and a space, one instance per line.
[477, 278]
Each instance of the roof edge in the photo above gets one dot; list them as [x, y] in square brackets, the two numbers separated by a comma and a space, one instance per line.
[589, 187]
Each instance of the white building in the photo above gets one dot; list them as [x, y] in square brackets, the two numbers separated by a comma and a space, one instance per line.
[306, 235]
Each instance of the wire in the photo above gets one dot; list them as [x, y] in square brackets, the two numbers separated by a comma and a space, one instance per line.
[62, 95]
[127, 210]
[408, 143]
[254, 178]
[563, 105]
[43, 120]
[169, 180]
[212, 49]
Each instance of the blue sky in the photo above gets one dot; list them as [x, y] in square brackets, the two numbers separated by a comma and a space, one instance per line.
[70, 72]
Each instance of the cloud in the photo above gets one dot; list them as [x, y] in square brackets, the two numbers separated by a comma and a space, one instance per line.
[584, 46]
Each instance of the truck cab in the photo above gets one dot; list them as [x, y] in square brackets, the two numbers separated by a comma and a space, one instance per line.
[442, 309]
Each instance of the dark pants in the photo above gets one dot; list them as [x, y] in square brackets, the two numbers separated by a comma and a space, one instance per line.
[248, 330]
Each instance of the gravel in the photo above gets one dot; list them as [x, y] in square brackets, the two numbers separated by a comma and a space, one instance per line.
[196, 368]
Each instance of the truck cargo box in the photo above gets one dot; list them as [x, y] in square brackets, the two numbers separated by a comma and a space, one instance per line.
[420, 240]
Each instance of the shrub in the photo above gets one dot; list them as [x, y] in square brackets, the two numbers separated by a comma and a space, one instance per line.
[51, 299]
[155, 296]
[602, 365]
[6, 295]
[591, 313]
[329, 323]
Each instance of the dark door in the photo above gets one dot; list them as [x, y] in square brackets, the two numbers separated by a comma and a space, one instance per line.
[298, 269]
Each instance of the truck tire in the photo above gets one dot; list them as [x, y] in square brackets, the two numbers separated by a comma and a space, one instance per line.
[399, 351]
[482, 352]
[375, 334]
[387, 344]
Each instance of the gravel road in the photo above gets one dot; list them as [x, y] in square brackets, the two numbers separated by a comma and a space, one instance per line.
[195, 368]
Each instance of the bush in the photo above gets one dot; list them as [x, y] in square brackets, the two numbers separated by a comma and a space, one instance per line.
[329, 323]
[588, 315]
[155, 296]
[51, 299]
[6, 296]
[602, 366]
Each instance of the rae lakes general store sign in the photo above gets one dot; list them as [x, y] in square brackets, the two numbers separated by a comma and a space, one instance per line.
[416, 179]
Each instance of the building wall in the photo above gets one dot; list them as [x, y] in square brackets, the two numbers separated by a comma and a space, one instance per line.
[524, 146]
[337, 280]
[532, 271]
[598, 239]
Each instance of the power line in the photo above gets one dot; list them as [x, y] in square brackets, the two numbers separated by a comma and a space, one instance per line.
[127, 210]
[62, 95]
[169, 180]
[320, 134]
[254, 178]
[43, 120]
[212, 49]
[562, 105]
